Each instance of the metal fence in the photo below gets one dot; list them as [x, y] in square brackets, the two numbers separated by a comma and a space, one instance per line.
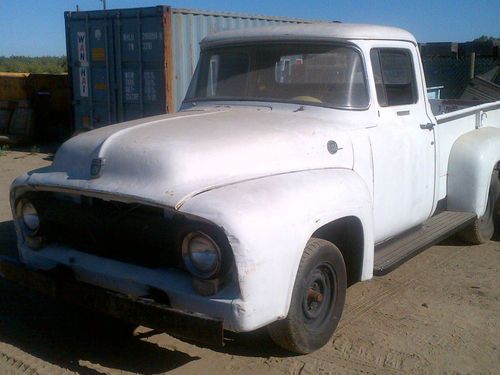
[453, 73]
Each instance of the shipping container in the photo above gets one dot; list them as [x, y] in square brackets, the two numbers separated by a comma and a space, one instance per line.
[50, 98]
[130, 63]
[16, 121]
[13, 86]
[34, 107]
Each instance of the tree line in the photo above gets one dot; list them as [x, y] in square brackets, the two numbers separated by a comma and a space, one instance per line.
[58, 64]
[39, 64]
[486, 38]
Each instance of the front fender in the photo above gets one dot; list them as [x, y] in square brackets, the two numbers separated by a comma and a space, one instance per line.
[268, 222]
[472, 159]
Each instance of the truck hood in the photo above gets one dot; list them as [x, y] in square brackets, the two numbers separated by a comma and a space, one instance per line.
[167, 159]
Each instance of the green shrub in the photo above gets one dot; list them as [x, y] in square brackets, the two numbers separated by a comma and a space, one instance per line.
[26, 64]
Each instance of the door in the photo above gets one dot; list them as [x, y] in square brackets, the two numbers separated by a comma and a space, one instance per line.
[403, 144]
[117, 64]
[91, 65]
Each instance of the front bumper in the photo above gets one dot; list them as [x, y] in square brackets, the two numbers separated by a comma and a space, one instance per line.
[140, 311]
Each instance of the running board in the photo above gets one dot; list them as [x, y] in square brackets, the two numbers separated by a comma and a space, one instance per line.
[392, 253]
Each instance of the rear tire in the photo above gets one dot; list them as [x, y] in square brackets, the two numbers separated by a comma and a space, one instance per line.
[483, 228]
[317, 300]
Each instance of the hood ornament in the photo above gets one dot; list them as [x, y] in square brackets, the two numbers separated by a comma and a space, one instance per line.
[96, 167]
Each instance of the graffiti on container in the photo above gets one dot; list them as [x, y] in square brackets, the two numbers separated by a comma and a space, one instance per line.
[82, 48]
[130, 92]
[150, 86]
[84, 82]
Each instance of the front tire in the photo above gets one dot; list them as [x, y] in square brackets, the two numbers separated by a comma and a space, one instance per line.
[483, 228]
[317, 300]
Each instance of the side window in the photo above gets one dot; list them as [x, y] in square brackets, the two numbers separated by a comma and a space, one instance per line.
[394, 76]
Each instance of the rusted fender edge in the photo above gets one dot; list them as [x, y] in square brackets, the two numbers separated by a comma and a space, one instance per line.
[191, 326]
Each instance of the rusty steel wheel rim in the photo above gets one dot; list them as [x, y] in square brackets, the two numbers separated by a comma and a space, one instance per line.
[319, 296]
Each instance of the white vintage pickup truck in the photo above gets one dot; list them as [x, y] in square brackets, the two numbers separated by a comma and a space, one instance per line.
[305, 158]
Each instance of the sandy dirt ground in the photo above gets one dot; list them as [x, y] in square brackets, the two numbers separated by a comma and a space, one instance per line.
[438, 313]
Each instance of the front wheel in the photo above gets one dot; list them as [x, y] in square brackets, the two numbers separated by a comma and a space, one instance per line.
[317, 300]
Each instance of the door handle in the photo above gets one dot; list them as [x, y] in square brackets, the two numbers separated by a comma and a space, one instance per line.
[428, 126]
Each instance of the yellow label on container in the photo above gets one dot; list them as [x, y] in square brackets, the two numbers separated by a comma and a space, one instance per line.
[101, 86]
[98, 54]
[86, 120]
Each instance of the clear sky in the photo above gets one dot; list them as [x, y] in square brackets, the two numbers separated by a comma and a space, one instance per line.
[36, 27]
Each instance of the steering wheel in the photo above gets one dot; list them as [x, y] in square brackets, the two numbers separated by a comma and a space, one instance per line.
[306, 98]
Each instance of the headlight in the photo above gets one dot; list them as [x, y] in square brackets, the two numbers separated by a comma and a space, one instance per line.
[29, 217]
[201, 255]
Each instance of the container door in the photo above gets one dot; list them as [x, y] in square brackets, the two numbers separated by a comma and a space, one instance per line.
[90, 60]
[139, 60]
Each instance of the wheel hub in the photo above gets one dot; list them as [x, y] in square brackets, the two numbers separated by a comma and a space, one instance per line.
[319, 296]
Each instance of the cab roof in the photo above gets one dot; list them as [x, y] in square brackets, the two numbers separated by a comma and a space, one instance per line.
[315, 31]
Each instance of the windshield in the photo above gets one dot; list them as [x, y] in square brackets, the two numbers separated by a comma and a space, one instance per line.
[324, 75]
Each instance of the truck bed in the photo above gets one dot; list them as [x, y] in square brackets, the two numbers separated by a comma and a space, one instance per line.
[443, 106]
[456, 119]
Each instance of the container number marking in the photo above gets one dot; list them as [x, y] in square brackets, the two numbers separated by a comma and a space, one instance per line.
[130, 92]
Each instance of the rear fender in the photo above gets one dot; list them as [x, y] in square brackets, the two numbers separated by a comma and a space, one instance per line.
[268, 222]
[472, 160]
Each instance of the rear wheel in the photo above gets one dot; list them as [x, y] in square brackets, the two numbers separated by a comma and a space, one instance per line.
[317, 300]
[483, 227]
